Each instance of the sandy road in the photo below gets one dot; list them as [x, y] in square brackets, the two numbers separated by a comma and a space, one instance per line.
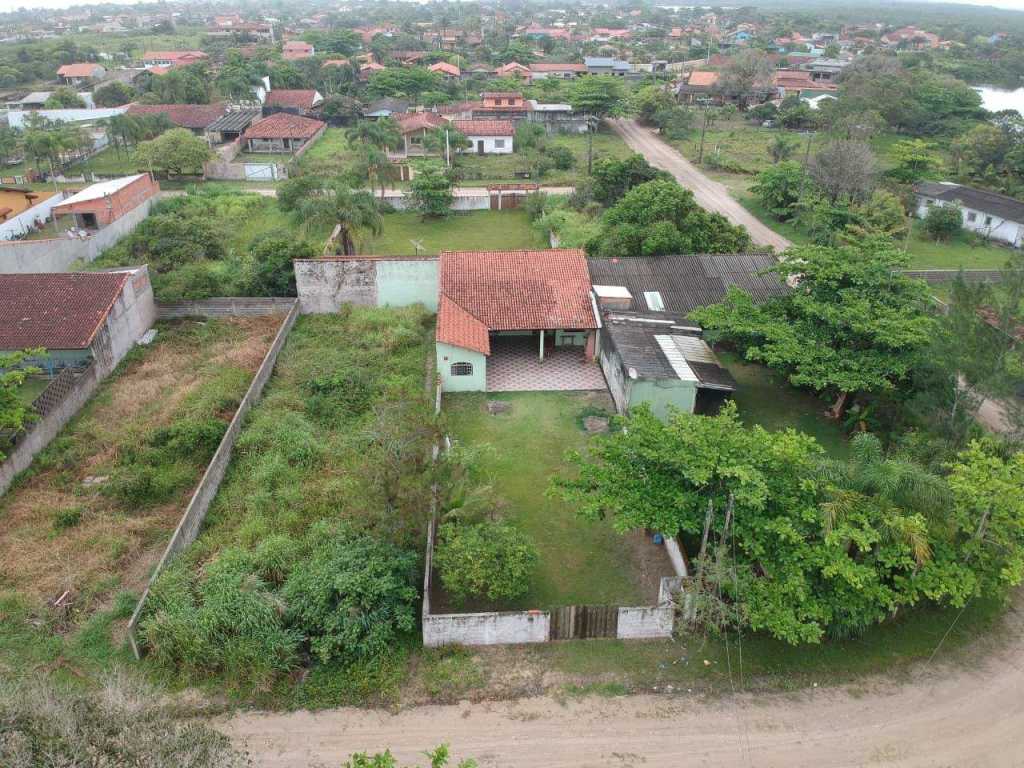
[945, 716]
[709, 194]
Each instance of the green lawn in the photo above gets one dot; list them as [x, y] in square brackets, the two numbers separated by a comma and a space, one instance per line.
[475, 231]
[32, 388]
[503, 168]
[329, 153]
[109, 162]
[580, 561]
[765, 397]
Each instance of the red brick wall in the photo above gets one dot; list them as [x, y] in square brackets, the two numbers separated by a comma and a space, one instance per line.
[117, 205]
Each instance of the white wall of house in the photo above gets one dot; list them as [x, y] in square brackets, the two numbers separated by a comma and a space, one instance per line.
[985, 224]
[493, 145]
[462, 378]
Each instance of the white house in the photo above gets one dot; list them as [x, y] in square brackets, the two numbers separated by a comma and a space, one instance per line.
[994, 216]
[487, 137]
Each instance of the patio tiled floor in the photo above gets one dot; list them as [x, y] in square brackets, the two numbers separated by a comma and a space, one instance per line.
[514, 366]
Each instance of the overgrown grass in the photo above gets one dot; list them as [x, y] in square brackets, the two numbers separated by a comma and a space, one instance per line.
[580, 562]
[503, 168]
[93, 513]
[329, 155]
[342, 435]
[475, 231]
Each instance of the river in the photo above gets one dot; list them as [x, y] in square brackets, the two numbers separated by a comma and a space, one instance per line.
[997, 99]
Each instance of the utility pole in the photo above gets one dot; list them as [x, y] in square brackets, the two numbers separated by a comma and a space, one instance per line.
[590, 144]
[703, 130]
[447, 149]
[708, 60]
[807, 158]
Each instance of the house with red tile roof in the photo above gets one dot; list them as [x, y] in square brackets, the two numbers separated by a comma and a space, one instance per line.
[302, 100]
[172, 59]
[294, 50]
[81, 74]
[282, 132]
[487, 137]
[414, 127]
[77, 317]
[502, 309]
[196, 117]
[513, 69]
[448, 71]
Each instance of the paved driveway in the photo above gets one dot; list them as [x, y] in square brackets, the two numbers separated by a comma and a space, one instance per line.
[709, 194]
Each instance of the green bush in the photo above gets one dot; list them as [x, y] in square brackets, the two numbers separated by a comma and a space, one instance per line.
[68, 517]
[346, 393]
[485, 560]
[943, 221]
[354, 597]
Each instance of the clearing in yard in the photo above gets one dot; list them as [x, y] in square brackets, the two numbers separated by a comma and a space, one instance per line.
[504, 168]
[93, 513]
[328, 156]
[581, 562]
[473, 231]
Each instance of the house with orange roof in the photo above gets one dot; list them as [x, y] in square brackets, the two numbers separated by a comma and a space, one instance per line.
[446, 70]
[296, 50]
[171, 59]
[81, 74]
[487, 137]
[516, 320]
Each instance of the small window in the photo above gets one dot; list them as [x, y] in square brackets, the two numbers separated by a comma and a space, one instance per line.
[988, 221]
[462, 369]
[654, 302]
[499, 143]
[972, 216]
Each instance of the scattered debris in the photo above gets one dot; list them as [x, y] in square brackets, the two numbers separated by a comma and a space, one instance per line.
[147, 337]
[95, 480]
[498, 406]
[595, 425]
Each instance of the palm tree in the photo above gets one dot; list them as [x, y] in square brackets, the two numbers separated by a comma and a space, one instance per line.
[377, 167]
[899, 494]
[382, 133]
[352, 213]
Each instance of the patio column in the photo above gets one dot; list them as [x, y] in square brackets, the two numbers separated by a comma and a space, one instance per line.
[542, 345]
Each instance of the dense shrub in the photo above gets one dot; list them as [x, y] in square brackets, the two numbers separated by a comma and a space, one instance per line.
[489, 560]
[354, 597]
[272, 271]
[943, 221]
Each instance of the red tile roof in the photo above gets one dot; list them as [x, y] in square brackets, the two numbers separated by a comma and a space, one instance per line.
[283, 126]
[484, 127]
[300, 99]
[183, 115]
[511, 291]
[457, 327]
[444, 66]
[61, 310]
[174, 56]
[409, 122]
[77, 70]
[702, 78]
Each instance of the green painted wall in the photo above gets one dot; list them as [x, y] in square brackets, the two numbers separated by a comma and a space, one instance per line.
[54, 359]
[401, 283]
[659, 395]
[446, 355]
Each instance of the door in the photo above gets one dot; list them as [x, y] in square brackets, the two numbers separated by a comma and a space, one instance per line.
[480, 146]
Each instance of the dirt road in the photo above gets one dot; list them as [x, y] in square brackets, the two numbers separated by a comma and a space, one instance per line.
[710, 194]
[944, 716]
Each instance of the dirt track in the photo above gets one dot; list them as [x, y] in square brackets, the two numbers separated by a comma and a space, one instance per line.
[710, 194]
[945, 716]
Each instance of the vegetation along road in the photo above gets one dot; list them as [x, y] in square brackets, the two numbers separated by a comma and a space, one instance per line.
[943, 715]
[709, 194]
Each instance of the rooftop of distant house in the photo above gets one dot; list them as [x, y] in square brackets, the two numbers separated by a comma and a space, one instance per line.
[192, 116]
[284, 126]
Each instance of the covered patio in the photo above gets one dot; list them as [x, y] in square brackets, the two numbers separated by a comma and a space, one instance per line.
[515, 365]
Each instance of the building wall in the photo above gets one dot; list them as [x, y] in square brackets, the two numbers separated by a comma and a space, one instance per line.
[26, 221]
[16, 117]
[109, 209]
[486, 628]
[490, 145]
[659, 395]
[324, 285]
[132, 314]
[447, 355]
[1000, 229]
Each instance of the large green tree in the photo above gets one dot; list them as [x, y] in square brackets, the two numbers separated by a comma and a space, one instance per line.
[660, 217]
[313, 201]
[15, 413]
[176, 152]
[431, 191]
[852, 324]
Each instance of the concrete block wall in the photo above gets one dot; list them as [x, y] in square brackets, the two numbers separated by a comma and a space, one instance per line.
[223, 307]
[192, 520]
[325, 285]
[646, 622]
[486, 628]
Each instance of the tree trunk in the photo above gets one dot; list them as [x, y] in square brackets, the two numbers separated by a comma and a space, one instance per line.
[347, 246]
[836, 411]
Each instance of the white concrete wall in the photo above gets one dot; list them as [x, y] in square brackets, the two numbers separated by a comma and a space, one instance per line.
[132, 314]
[324, 285]
[27, 220]
[16, 117]
[490, 145]
[646, 622]
[505, 628]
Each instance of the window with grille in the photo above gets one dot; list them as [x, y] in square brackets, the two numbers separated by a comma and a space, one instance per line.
[462, 369]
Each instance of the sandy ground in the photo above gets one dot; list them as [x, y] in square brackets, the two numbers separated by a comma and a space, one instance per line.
[709, 194]
[944, 715]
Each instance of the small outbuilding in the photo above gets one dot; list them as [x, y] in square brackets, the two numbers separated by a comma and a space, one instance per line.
[99, 205]
[487, 137]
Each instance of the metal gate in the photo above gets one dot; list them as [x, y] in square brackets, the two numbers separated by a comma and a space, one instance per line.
[579, 622]
[260, 171]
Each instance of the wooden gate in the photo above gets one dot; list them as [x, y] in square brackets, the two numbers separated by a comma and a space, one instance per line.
[579, 622]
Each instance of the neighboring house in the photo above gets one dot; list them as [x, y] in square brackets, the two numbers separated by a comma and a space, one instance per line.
[513, 69]
[407, 57]
[282, 132]
[301, 101]
[504, 303]
[231, 126]
[650, 352]
[414, 127]
[448, 71]
[994, 216]
[911, 37]
[545, 70]
[77, 317]
[99, 205]
[23, 211]
[557, 118]
[295, 50]
[799, 82]
[385, 108]
[195, 117]
[698, 87]
[825, 70]
[605, 65]
[81, 74]
[502, 105]
[170, 59]
[487, 137]
[369, 68]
